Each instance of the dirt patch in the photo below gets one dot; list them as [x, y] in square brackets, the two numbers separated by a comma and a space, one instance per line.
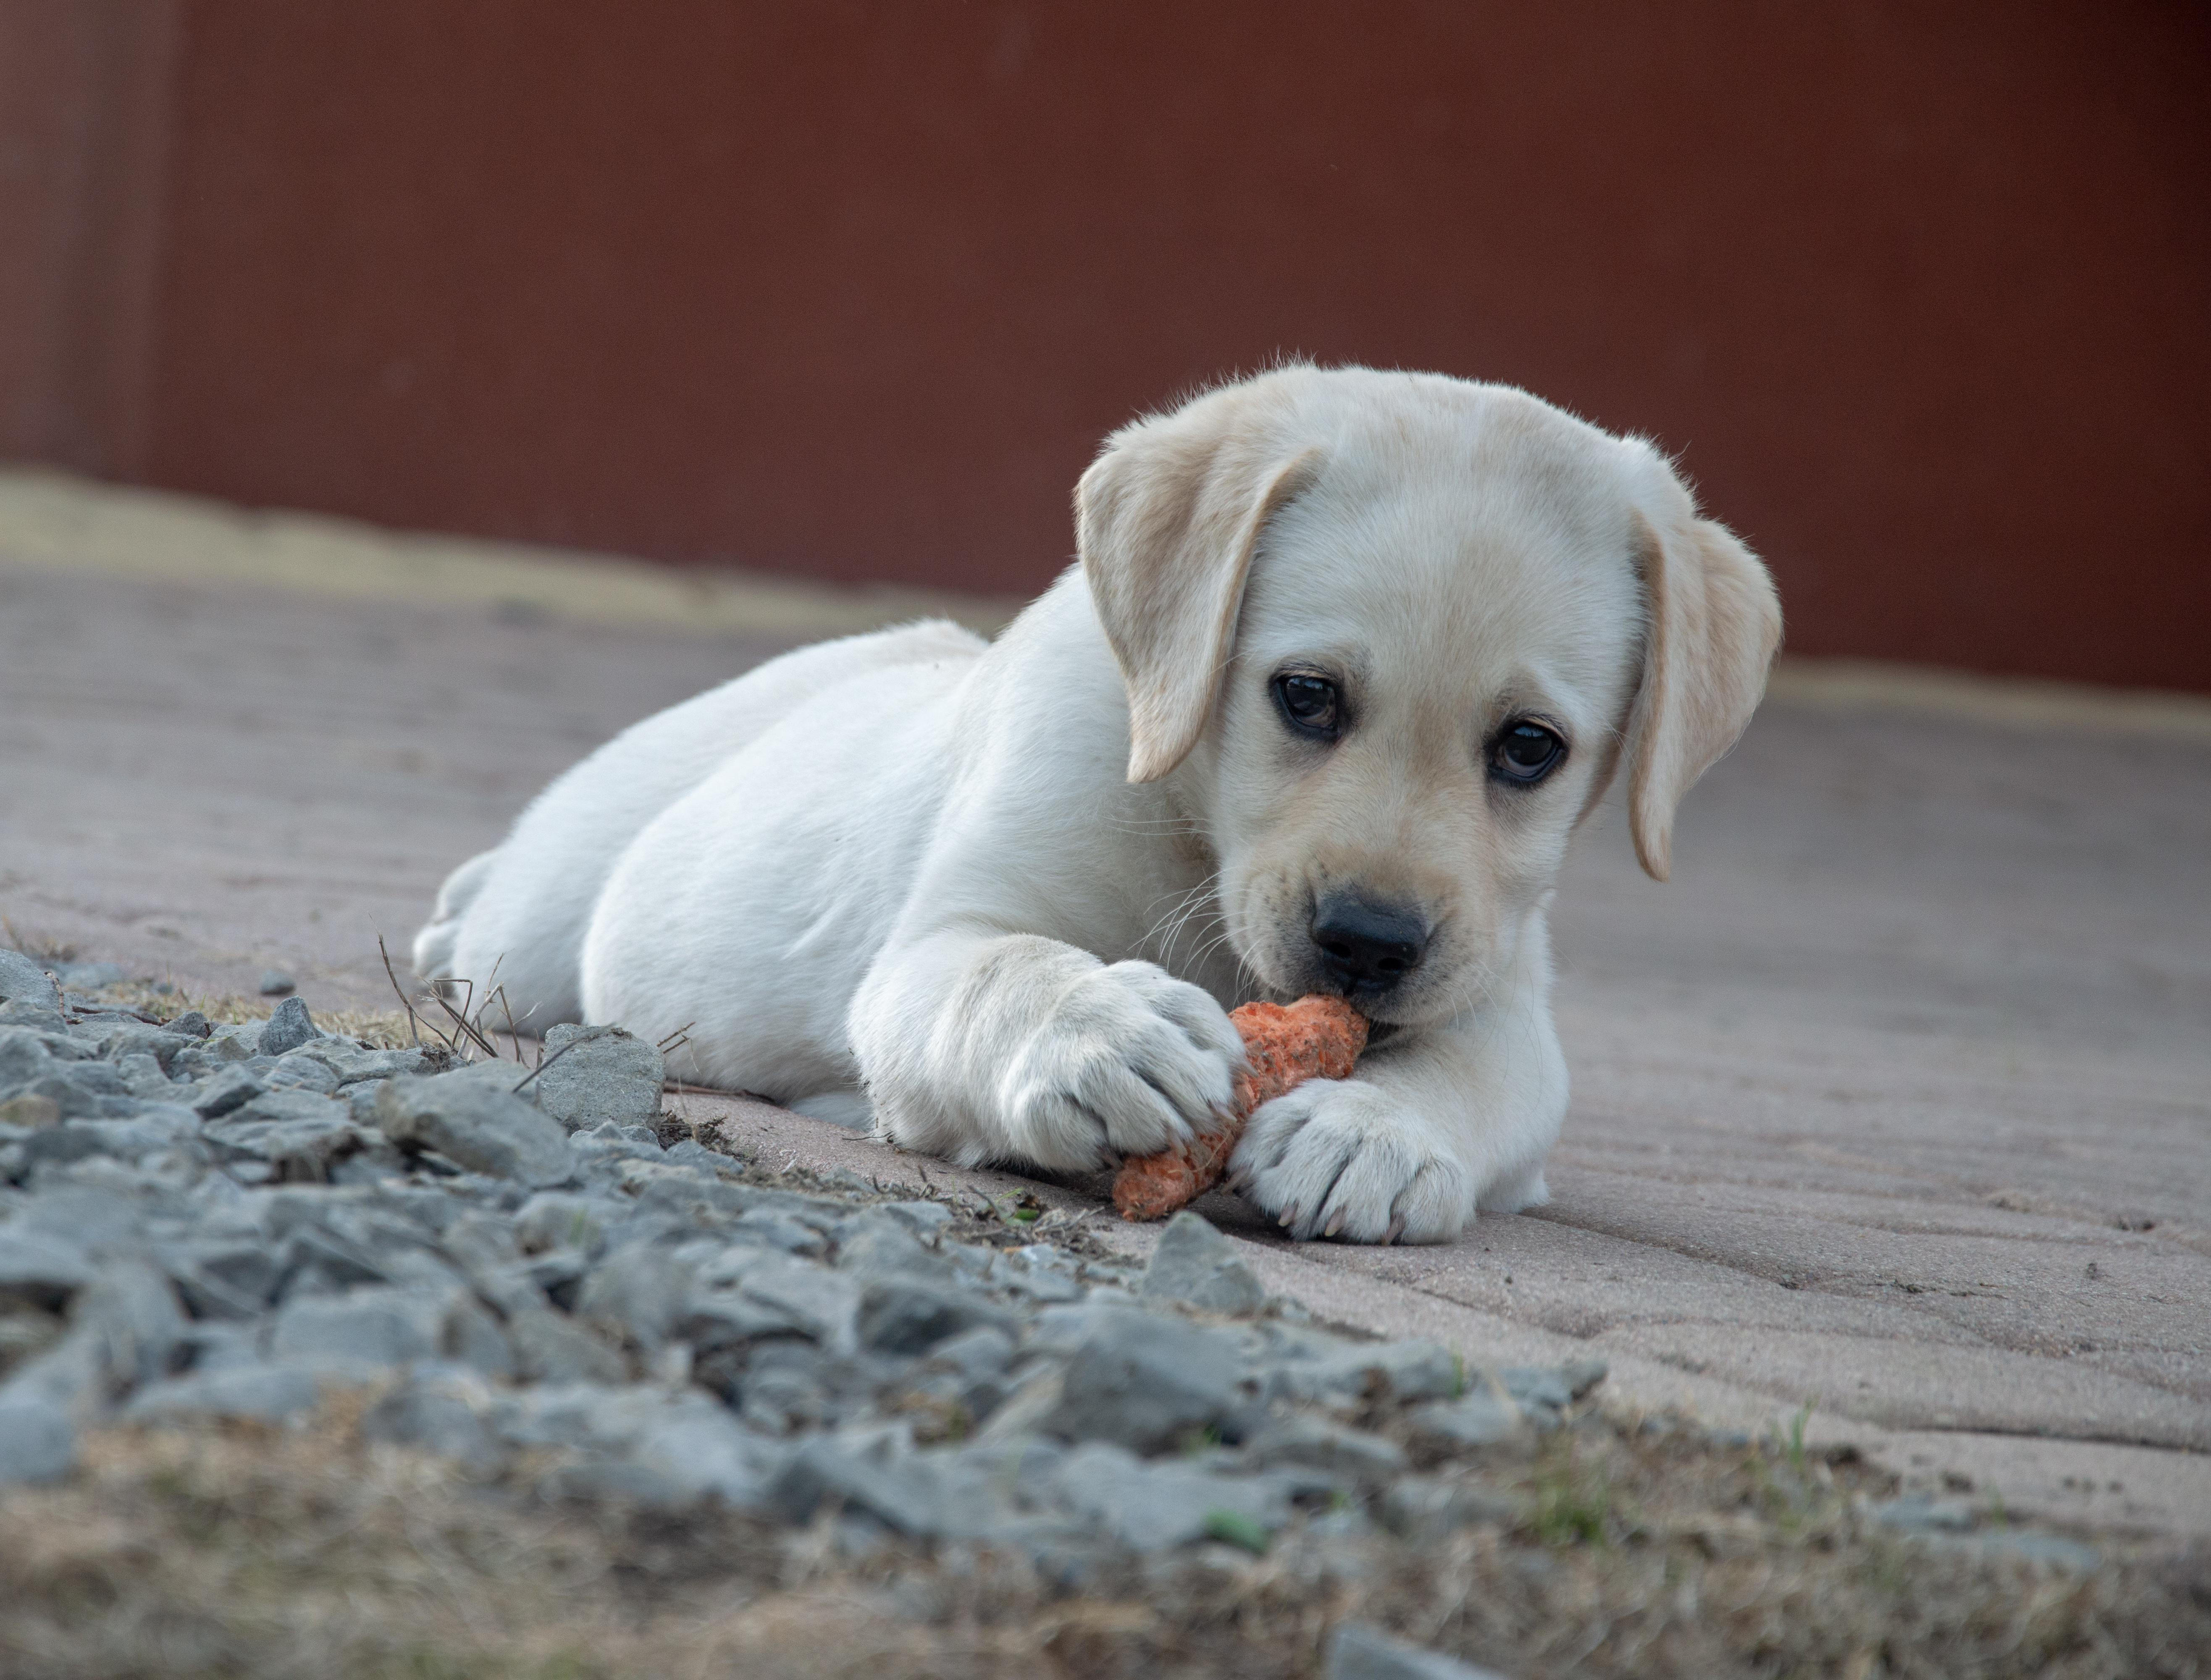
[1611, 1550]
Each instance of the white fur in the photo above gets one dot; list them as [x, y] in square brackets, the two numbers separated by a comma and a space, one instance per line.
[912, 873]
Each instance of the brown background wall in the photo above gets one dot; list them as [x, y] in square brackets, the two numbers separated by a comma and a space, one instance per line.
[1918, 290]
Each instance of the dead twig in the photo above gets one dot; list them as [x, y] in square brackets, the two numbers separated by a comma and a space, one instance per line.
[414, 1029]
[461, 1022]
[545, 1062]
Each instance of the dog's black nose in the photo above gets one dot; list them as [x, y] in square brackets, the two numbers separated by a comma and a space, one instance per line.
[1368, 947]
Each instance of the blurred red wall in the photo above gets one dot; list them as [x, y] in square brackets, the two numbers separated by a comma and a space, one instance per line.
[1918, 291]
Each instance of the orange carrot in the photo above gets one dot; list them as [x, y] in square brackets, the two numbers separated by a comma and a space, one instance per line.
[1315, 1038]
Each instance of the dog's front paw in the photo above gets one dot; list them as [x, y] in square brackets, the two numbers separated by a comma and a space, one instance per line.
[1342, 1158]
[1129, 1062]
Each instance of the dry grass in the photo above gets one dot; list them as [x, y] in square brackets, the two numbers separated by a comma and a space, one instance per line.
[381, 1029]
[239, 1551]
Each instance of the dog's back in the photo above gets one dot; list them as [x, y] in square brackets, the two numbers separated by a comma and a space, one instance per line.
[513, 918]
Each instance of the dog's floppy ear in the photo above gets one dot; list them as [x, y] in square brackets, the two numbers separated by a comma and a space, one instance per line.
[1166, 522]
[1713, 622]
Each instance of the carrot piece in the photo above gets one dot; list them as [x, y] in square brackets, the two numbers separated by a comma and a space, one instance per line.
[1315, 1038]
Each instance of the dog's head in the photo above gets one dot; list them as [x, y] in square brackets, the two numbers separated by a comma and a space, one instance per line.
[1391, 634]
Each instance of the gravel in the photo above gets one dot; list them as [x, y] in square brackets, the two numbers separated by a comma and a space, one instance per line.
[203, 1221]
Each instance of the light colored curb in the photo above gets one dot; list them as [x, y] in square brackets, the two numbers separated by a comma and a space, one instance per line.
[58, 520]
[2016, 702]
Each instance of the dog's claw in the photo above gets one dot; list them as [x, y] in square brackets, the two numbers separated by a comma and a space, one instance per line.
[1396, 1230]
[1289, 1215]
[1335, 1226]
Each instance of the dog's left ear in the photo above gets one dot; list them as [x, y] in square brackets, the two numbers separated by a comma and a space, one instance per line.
[1166, 520]
[1712, 624]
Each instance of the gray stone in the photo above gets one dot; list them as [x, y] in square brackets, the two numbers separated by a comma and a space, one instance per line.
[1544, 1391]
[312, 1259]
[1351, 1455]
[223, 1278]
[77, 1140]
[1148, 1383]
[267, 1393]
[638, 1294]
[556, 1274]
[130, 1316]
[299, 1070]
[821, 1303]
[1150, 1507]
[485, 1130]
[275, 983]
[477, 1339]
[583, 1415]
[352, 1064]
[910, 1494]
[224, 1092]
[1422, 1508]
[120, 1038]
[93, 1078]
[984, 1351]
[551, 1346]
[37, 1436]
[22, 980]
[927, 1220]
[298, 1151]
[767, 1228]
[552, 1219]
[877, 1243]
[592, 1074]
[71, 1372]
[1307, 1364]
[40, 1270]
[24, 1335]
[50, 1100]
[1195, 1263]
[1038, 1272]
[142, 1076]
[715, 1319]
[1027, 1410]
[362, 1333]
[288, 1029]
[1480, 1417]
[910, 1317]
[787, 1384]
[694, 1450]
[447, 1412]
[1356, 1651]
[91, 1219]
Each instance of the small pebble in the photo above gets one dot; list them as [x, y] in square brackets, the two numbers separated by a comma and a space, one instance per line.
[275, 983]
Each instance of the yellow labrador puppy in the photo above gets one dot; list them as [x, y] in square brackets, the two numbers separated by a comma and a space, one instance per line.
[1347, 656]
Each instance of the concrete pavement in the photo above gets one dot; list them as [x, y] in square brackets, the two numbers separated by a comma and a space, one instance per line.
[1897, 1101]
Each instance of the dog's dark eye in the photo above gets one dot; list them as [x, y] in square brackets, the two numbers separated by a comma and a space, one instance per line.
[1310, 704]
[1526, 753]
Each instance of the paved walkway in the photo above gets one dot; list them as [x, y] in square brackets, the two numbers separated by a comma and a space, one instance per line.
[1896, 1102]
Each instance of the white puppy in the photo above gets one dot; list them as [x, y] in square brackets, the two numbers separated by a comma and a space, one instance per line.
[1347, 656]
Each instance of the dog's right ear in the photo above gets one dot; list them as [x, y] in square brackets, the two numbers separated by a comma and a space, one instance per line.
[1166, 522]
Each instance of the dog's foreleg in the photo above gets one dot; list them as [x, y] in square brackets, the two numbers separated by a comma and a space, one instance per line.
[1435, 1123]
[985, 1046]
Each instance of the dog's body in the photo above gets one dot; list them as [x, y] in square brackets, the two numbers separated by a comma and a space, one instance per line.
[1348, 657]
